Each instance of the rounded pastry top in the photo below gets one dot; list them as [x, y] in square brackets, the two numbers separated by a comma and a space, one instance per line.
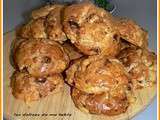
[46, 23]
[97, 74]
[33, 29]
[132, 32]
[41, 57]
[28, 88]
[140, 64]
[91, 29]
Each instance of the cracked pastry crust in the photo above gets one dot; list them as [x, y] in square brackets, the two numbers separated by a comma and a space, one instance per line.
[41, 57]
[28, 88]
[46, 23]
[132, 32]
[112, 103]
[44, 11]
[72, 51]
[97, 74]
[91, 29]
[140, 64]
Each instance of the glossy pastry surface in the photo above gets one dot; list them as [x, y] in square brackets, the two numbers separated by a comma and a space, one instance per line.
[132, 32]
[28, 88]
[91, 29]
[45, 23]
[97, 74]
[140, 64]
[104, 103]
[41, 57]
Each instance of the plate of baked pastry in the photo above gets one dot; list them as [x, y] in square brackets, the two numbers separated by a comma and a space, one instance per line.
[77, 62]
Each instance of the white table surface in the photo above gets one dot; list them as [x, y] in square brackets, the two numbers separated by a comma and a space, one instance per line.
[142, 11]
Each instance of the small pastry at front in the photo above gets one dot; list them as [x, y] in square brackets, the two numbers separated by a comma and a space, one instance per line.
[28, 88]
[97, 74]
[141, 66]
[91, 29]
[41, 57]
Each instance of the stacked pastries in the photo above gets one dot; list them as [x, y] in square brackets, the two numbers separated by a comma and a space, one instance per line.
[117, 60]
[38, 57]
[105, 58]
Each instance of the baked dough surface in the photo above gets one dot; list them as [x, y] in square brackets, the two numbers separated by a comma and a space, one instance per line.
[97, 74]
[45, 23]
[91, 29]
[28, 88]
[41, 57]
